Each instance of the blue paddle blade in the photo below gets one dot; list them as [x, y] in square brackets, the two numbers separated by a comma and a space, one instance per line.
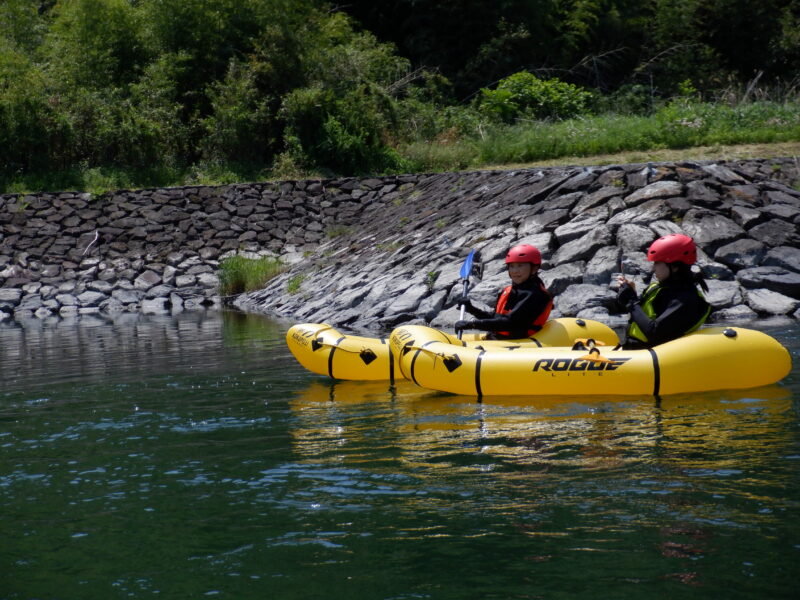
[466, 268]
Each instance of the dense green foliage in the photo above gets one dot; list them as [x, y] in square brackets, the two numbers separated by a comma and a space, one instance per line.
[122, 92]
[523, 95]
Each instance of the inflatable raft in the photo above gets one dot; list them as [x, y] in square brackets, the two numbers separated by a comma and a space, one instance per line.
[324, 350]
[716, 358]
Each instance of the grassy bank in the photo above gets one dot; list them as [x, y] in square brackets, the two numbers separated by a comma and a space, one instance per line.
[680, 126]
[681, 130]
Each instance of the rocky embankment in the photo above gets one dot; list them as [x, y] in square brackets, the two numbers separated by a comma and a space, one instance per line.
[400, 263]
[369, 254]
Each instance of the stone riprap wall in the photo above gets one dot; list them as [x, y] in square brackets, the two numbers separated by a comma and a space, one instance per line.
[401, 263]
[372, 253]
[158, 250]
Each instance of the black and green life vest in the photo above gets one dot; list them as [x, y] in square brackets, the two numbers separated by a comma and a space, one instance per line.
[646, 302]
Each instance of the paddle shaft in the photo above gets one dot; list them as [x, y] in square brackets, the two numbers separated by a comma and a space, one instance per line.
[461, 318]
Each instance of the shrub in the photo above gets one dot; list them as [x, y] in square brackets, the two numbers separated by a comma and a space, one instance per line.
[523, 95]
[241, 127]
[343, 133]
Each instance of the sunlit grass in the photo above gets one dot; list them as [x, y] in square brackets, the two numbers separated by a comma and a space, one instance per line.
[680, 125]
[239, 274]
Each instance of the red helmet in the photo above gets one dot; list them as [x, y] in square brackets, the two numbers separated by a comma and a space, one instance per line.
[675, 247]
[524, 253]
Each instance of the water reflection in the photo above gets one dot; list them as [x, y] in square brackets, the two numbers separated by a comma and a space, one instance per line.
[338, 421]
[124, 346]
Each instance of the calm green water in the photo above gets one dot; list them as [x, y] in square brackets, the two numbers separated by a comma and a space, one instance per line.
[192, 457]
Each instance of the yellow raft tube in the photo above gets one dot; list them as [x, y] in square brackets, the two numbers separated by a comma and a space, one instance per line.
[323, 350]
[716, 358]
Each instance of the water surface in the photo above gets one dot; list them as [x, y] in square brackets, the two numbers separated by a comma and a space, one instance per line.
[190, 457]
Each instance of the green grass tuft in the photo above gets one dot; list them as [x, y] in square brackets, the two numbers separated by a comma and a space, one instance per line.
[239, 274]
[294, 284]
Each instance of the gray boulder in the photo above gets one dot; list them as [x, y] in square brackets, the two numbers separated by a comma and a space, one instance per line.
[147, 280]
[89, 298]
[785, 212]
[599, 313]
[659, 189]
[740, 312]
[30, 302]
[100, 286]
[699, 193]
[653, 210]
[561, 277]
[584, 247]
[746, 216]
[128, 296]
[784, 196]
[546, 221]
[67, 300]
[12, 295]
[724, 174]
[581, 225]
[662, 228]
[602, 266]
[775, 232]
[787, 257]
[634, 238]
[408, 301]
[741, 253]
[770, 303]
[66, 312]
[111, 306]
[710, 230]
[155, 306]
[776, 279]
[582, 296]
[712, 268]
[595, 199]
[723, 294]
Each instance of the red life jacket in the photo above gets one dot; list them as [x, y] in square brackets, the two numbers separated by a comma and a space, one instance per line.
[537, 324]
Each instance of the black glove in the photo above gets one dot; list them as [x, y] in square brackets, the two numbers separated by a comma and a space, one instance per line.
[464, 324]
[626, 297]
[464, 301]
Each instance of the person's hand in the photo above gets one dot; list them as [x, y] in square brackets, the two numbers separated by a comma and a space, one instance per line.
[464, 324]
[464, 301]
[626, 296]
[622, 282]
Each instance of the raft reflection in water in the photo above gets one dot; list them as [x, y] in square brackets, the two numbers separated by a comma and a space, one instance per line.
[347, 421]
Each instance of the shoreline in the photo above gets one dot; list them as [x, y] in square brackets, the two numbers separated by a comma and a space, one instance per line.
[372, 253]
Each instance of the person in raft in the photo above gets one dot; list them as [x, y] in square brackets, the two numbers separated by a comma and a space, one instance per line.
[522, 308]
[672, 305]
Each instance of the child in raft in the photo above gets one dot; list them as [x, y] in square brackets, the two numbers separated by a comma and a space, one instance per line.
[671, 306]
[522, 308]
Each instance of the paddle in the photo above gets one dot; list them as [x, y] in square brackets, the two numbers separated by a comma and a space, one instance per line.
[468, 268]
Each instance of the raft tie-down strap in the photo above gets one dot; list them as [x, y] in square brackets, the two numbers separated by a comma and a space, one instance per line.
[416, 355]
[450, 361]
[391, 361]
[656, 372]
[538, 343]
[334, 348]
[478, 362]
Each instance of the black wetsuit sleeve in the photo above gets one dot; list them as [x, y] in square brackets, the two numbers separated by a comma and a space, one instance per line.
[679, 315]
[478, 312]
[530, 303]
